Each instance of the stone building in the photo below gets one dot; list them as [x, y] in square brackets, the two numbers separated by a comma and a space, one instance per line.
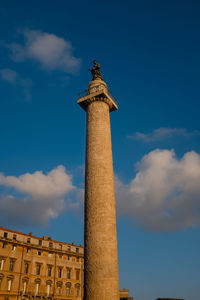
[39, 267]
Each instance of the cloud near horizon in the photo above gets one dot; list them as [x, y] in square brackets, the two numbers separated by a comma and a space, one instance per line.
[51, 51]
[36, 198]
[163, 133]
[165, 193]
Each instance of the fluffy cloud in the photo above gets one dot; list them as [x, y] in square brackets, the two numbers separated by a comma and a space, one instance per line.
[51, 51]
[162, 134]
[165, 193]
[35, 198]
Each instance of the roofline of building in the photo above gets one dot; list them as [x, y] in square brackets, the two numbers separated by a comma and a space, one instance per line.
[39, 238]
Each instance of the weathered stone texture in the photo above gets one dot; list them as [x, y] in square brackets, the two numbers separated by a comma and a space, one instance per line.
[101, 260]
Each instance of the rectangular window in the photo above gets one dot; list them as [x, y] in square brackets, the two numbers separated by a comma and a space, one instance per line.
[5, 235]
[49, 270]
[40, 242]
[11, 268]
[4, 245]
[68, 248]
[59, 272]
[14, 237]
[38, 267]
[67, 291]
[50, 245]
[39, 253]
[1, 264]
[28, 240]
[24, 287]
[60, 246]
[26, 268]
[77, 250]
[50, 254]
[68, 273]
[36, 289]
[28, 250]
[68, 257]
[13, 247]
[77, 274]
[48, 289]
[9, 285]
[77, 259]
[59, 290]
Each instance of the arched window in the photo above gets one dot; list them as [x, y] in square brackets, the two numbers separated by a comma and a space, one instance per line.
[68, 288]
[59, 288]
[9, 285]
[37, 286]
[9, 282]
[24, 285]
[77, 287]
[49, 282]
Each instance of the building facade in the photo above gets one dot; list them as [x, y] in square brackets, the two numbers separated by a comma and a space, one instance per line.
[34, 267]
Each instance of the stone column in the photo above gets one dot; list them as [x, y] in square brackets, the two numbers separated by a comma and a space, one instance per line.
[100, 257]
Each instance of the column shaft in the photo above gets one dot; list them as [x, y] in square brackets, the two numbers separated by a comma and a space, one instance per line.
[101, 260]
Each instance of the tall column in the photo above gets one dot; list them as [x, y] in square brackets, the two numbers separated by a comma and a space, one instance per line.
[100, 256]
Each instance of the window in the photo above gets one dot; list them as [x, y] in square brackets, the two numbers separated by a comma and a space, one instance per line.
[68, 273]
[49, 270]
[39, 253]
[67, 291]
[68, 257]
[4, 245]
[48, 289]
[28, 250]
[50, 254]
[60, 256]
[77, 259]
[40, 242]
[59, 272]
[37, 289]
[38, 267]
[14, 237]
[26, 268]
[68, 248]
[9, 285]
[5, 235]
[1, 264]
[59, 290]
[60, 246]
[13, 247]
[11, 268]
[77, 291]
[50, 245]
[77, 250]
[77, 274]
[24, 287]
[28, 240]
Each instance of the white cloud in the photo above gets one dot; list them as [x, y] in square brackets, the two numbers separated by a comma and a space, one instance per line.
[51, 51]
[162, 134]
[165, 193]
[39, 196]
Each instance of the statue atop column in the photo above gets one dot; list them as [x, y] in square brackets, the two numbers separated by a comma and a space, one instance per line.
[95, 71]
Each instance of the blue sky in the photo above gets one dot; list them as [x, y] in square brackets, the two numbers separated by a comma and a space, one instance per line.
[149, 55]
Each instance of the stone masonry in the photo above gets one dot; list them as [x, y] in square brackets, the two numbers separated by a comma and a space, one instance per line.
[101, 260]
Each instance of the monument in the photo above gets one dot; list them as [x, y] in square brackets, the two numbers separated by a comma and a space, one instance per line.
[101, 280]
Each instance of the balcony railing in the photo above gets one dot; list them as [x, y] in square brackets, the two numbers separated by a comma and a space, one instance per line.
[97, 88]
